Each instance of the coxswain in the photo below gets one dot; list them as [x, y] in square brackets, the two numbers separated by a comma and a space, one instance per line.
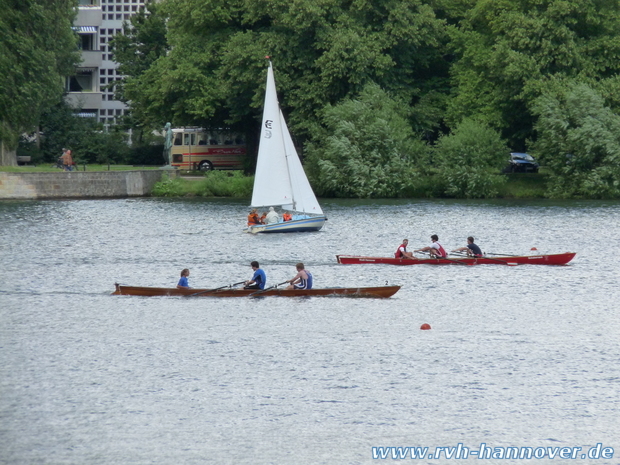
[401, 252]
[435, 249]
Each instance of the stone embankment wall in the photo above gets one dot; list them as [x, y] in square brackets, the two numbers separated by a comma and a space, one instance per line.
[79, 184]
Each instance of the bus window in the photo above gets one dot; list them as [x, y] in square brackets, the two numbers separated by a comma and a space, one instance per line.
[202, 139]
[178, 138]
[189, 139]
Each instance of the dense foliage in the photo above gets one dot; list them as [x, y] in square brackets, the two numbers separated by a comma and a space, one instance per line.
[365, 148]
[469, 160]
[88, 141]
[392, 98]
[388, 98]
[37, 49]
[579, 140]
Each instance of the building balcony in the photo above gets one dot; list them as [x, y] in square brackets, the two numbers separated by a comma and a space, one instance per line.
[84, 99]
[91, 59]
[88, 16]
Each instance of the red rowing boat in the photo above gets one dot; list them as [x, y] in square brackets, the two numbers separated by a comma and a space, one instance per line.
[383, 291]
[511, 260]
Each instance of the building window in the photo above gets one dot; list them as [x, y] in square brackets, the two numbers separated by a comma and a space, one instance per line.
[82, 81]
[87, 42]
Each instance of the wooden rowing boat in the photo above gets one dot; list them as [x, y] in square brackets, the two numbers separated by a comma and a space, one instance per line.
[382, 291]
[552, 259]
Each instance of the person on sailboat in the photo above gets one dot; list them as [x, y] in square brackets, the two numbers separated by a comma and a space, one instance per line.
[302, 280]
[183, 282]
[253, 218]
[435, 250]
[401, 252]
[272, 216]
[472, 249]
[263, 218]
[286, 216]
[258, 279]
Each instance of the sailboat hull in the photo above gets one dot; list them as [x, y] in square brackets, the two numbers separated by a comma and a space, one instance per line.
[305, 225]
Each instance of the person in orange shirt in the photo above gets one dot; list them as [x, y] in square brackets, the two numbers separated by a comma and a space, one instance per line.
[67, 160]
[253, 218]
[286, 216]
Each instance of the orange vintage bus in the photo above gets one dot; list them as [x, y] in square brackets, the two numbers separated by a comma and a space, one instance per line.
[204, 150]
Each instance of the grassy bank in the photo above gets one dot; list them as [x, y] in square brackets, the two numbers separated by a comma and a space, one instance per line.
[524, 186]
[236, 184]
[212, 184]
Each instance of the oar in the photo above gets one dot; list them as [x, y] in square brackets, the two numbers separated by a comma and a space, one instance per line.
[502, 254]
[216, 289]
[494, 259]
[268, 289]
[450, 260]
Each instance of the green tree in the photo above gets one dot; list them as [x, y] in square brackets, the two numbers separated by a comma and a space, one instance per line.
[469, 160]
[37, 49]
[85, 137]
[507, 50]
[579, 140]
[323, 51]
[143, 41]
[365, 148]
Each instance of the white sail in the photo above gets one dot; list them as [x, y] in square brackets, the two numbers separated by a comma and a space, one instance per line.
[303, 195]
[280, 179]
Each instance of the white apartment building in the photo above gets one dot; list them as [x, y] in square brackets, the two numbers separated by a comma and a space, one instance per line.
[96, 23]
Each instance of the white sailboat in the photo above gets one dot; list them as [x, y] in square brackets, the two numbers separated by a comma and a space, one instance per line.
[280, 179]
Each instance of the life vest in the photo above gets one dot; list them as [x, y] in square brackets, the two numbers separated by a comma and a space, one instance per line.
[398, 253]
[253, 219]
[287, 217]
[442, 251]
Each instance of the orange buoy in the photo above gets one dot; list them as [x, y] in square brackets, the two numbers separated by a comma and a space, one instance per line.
[533, 248]
[425, 326]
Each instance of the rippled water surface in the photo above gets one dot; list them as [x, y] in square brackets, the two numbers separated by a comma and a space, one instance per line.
[517, 356]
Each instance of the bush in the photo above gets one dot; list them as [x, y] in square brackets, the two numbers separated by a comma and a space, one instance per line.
[152, 155]
[469, 159]
[366, 149]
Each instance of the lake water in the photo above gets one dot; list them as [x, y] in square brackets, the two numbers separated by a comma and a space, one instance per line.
[523, 356]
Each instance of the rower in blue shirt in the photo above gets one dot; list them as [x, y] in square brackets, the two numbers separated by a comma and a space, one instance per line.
[183, 282]
[258, 278]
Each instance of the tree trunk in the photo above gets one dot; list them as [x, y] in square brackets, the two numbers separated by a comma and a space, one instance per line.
[7, 157]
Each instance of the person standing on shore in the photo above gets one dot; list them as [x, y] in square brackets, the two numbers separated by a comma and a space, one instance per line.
[67, 160]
